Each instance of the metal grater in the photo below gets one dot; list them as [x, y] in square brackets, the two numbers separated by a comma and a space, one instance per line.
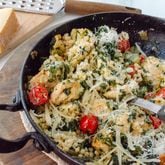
[35, 6]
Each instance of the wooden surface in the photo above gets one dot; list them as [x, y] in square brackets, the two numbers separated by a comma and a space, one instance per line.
[81, 7]
[11, 126]
[29, 24]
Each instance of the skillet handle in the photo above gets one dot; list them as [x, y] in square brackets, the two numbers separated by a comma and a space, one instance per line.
[16, 106]
[7, 146]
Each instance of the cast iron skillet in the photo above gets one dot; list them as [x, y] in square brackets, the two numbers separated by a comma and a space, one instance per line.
[131, 23]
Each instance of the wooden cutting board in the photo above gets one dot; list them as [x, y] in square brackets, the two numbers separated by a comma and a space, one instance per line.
[11, 126]
[30, 23]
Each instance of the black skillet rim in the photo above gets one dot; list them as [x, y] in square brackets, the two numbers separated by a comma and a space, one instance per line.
[53, 146]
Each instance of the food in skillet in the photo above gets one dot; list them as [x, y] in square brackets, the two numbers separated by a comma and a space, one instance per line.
[81, 95]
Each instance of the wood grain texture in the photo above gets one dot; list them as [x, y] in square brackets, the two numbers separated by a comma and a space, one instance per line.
[84, 7]
[30, 23]
[11, 126]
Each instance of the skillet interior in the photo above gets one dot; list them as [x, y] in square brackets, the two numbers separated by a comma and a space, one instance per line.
[130, 23]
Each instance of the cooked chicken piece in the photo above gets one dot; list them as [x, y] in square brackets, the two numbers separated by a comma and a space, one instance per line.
[153, 71]
[99, 106]
[61, 45]
[79, 52]
[83, 46]
[42, 78]
[139, 126]
[112, 94]
[98, 144]
[51, 73]
[116, 92]
[122, 122]
[70, 109]
[66, 91]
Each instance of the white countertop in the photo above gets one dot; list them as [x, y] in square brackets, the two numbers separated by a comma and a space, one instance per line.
[149, 7]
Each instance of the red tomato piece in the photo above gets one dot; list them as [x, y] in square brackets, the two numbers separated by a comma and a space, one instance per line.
[38, 95]
[123, 45]
[142, 58]
[162, 159]
[156, 122]
[89, 124]
[133, 72]
[161, 93]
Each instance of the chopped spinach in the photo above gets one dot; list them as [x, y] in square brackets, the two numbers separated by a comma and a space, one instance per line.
[131, 127]
[84, 85]
[147, 120]
[57, 51]
[142, 91]
[137, 151]
[115, 159]
[72, 152]
[86, 143]
[67, 91]
[58, 70]
[146, 83]
[85, 32]
[66, 71]
[103, 86]
[109, 49]
[100, 30]
[112, 82]
[82, 50]
[148, 144]
[124, 141]
[152, 156]
[122, 95]
[132, 116]
[69, 126]
[105, 139]
[127, 162]
[108, 141]
[153, 163]
[112, 105]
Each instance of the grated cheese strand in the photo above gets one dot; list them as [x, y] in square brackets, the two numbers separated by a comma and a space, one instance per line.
[47, 116]
[61, 114]
[129, 155]
[109, 153]
[150, 160]
[118, 141]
